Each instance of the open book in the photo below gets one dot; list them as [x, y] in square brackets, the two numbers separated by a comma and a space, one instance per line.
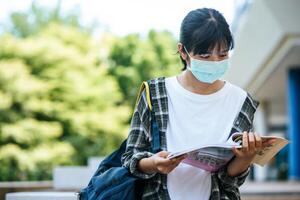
[212, 157]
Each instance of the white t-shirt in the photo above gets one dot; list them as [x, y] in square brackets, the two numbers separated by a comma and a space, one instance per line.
[195, 120]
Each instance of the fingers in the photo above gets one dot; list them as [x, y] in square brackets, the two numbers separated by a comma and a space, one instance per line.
[252, 143]
[251, 140]
[165, 165]
[258, 142]
[245, 142]
[177, 161]
[163, 154]
[182, 157]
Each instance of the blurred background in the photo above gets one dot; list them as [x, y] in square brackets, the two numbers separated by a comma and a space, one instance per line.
[70, 72]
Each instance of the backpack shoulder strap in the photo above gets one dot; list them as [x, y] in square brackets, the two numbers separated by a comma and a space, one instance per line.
[144, 86]
[159, 112]
[155, 144]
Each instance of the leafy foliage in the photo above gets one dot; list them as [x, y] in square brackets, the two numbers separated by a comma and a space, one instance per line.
[58, 104]
[134, 59]
[65, 96]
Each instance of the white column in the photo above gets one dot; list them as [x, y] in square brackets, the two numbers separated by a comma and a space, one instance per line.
[260, 126]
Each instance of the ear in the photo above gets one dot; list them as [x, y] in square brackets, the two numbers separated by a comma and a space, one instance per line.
[181, 51]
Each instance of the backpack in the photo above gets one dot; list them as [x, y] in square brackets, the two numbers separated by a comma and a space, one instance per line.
[113, 181]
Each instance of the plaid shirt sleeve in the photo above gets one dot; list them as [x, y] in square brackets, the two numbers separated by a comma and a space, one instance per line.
[226, 187]
[138, 145]
[229, 182]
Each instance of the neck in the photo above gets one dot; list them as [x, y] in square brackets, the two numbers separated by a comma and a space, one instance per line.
[189, 82]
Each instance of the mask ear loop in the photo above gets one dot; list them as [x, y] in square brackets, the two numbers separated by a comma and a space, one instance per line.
[186, 52]
[188, 67]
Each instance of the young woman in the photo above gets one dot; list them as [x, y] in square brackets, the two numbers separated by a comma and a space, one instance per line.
[194, 108]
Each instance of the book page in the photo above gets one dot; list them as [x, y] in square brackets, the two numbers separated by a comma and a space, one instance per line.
[265, 155]
[212, 157]
[224, 145]
[209, 158]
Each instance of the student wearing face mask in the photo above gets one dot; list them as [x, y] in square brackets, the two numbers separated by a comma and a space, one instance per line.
[195, 108]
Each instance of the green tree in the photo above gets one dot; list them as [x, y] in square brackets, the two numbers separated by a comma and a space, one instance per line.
[58, 105]
[65, 96]
[134, 59]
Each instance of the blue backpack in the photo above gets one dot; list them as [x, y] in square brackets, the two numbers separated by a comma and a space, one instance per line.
[113, 181]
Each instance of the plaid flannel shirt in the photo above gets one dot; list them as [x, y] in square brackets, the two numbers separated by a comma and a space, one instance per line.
[139, 145]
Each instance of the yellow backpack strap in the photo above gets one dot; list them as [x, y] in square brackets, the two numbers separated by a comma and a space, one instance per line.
[146, 87]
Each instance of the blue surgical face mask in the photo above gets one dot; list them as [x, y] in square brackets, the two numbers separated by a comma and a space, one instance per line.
[207, 71]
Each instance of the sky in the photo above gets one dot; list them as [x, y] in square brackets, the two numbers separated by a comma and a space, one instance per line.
[132, 16]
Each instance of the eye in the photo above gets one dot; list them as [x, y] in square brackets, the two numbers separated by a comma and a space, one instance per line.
[204, 55]
[223, 55]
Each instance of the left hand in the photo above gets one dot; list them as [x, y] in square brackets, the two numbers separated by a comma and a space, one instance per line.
[252, 143]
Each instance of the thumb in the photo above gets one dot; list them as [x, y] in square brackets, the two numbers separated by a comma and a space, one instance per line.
[163, 154]
[236, 151]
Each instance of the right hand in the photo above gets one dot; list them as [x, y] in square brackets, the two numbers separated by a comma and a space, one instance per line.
[252, 143]
[164, 165]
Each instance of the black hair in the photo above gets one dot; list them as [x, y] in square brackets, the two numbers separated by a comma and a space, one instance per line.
[202, 29]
